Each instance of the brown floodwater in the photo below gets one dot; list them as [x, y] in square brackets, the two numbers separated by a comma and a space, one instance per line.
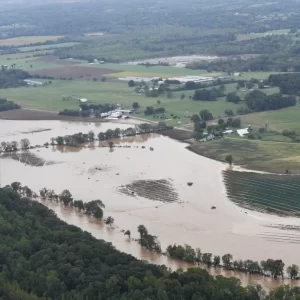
[181, 216]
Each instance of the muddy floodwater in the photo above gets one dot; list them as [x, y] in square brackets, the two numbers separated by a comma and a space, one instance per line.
[140, 186]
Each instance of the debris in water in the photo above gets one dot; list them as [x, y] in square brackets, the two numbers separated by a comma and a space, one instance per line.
[213, 207]
[190, 183]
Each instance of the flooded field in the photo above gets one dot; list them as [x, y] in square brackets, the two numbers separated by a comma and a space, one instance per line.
[140, 186]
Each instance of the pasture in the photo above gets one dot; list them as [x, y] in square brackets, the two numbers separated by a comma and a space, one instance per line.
[26, 40]
[286, 118]
[269, 193]
[267, 156]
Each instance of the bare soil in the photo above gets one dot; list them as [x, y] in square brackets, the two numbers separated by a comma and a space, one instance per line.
[69, 70]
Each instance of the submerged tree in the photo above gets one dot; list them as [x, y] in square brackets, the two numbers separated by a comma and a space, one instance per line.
[25, 144]
[66, 197]
[127, 232]
[109, 221]
[147, 240]
[229, 159]
[293, 271]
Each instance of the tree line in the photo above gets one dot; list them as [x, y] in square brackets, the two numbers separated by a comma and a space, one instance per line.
[259, 101]
[209, 95]
[43, 258]
[82, 138]
[10, 78]
[14, 146]
[289, 84]
[8, 105]
[269, 267]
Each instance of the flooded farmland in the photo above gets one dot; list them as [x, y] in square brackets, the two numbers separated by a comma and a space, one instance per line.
[140, 186]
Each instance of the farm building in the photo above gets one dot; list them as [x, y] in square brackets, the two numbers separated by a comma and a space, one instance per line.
[243, 132]
[83, 100]
[33, 83]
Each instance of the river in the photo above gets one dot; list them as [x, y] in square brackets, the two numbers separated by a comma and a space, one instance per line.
[162, 201]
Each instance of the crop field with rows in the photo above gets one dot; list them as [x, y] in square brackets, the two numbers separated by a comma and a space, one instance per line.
[269, 193]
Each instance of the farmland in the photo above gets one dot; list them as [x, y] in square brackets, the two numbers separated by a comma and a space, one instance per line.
[260, 155]
[287, 118]
[26, 40]
[276, 194]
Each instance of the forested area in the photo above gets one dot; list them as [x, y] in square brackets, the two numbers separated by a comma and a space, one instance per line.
[152, 28]
[8, 105]
[288, 83]
[259, 101]
[10, 78]
[43, 257]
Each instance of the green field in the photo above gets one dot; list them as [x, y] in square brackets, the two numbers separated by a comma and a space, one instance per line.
[25, 40]
[260, 155]
[45, 47]
[276, 194]
[286, 118]
[128, 70]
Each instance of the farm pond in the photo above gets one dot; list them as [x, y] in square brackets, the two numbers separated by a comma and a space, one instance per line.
[140, 186]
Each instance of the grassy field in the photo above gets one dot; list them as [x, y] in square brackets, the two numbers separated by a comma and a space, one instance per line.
[25, 40]
[287, 118]
[45, 47]
[256, 155]
[275, 194]
[155, 71]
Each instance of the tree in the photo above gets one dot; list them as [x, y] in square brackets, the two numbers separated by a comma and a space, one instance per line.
[293, 271]
[16, 186]
[135, 105]
[14, 145]
[131, 83]
[25, 144]
[228, 112]
[226, 259]
[195, 118]
[233, 97]
[216, 262]
[91, 135]
[66, 197]
[206, 115]
[206, 259]
[101, 136]
[229, 159]
[109, 221]
[182, 96]
[127, 232]
[158, 102]
[59, 140]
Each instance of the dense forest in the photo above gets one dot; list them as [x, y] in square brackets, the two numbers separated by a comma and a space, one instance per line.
[10, 78]
[154, 28]
[41, 257]
[8, 105]
[288, 83]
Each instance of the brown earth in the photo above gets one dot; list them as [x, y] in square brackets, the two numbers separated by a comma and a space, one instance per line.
[76, 72]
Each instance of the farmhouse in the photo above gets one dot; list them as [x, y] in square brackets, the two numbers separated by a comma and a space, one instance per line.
[33, 83]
